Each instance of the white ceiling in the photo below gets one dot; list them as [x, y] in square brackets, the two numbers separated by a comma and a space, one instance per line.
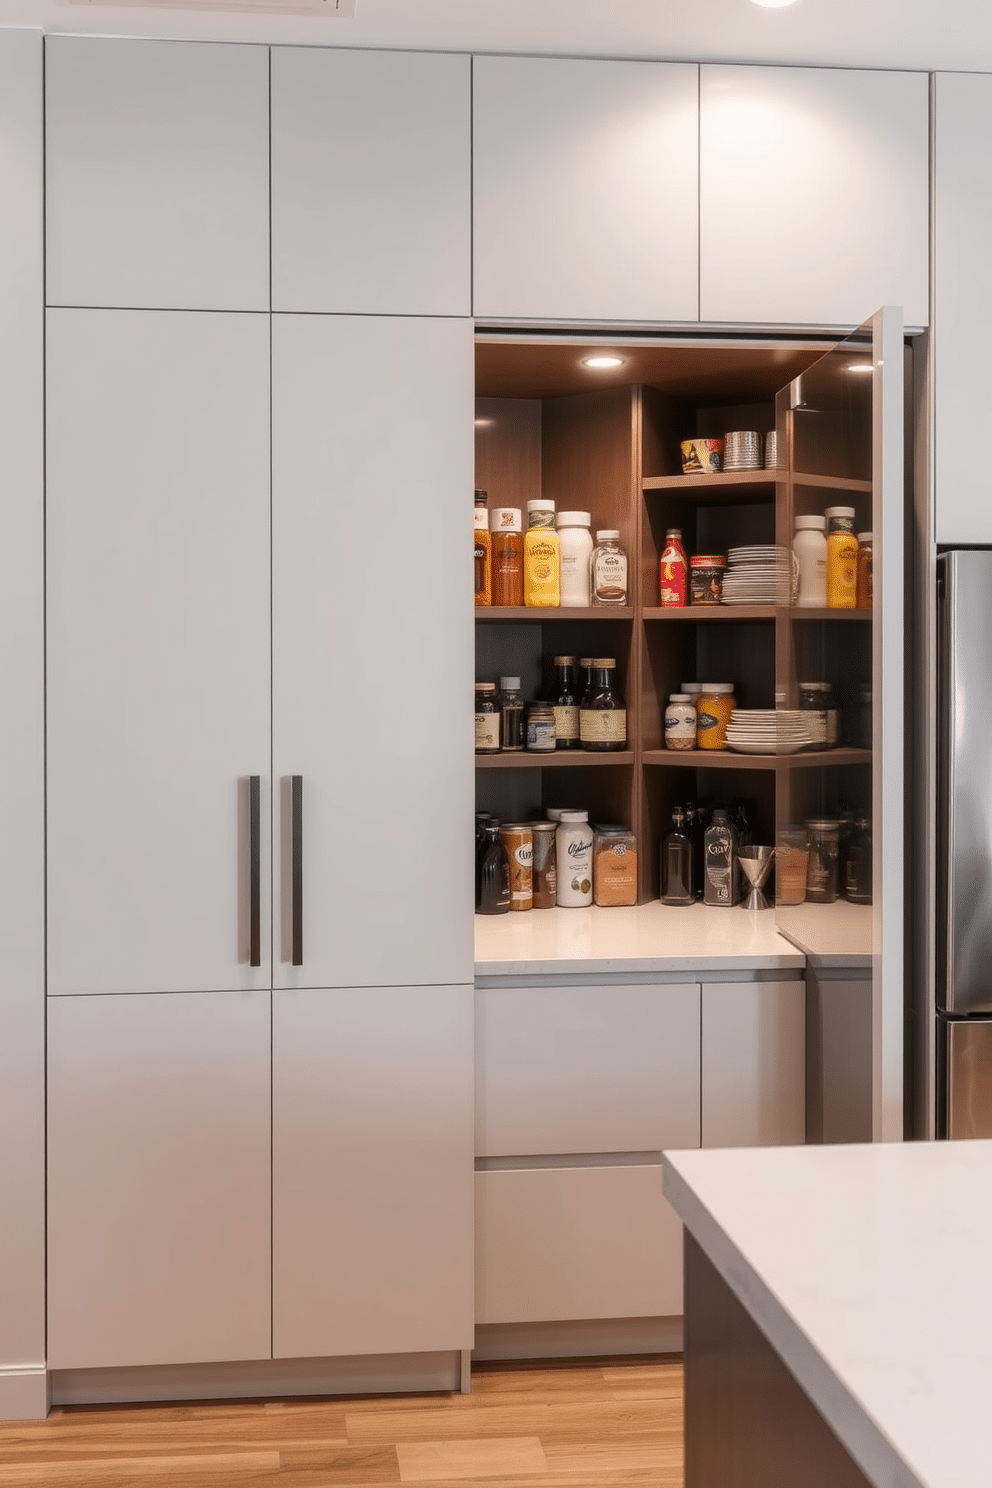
[921, 34]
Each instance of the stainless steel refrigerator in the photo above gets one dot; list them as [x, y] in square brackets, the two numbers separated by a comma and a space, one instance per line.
[964, 844]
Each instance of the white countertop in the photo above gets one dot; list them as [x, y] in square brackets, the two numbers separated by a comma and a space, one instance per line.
[836, 934]
[646, 937]
[868, 1268]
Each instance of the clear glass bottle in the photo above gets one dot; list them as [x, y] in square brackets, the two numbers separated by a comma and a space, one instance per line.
[511, 728]
[720, 848]
[542, 558]
[608, 569]
[575, 542]
[565, 702]
[494, 874]
[603, 714]
[676, 863]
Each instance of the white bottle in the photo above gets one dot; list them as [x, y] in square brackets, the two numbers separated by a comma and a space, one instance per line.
[810, 548]
[573, 849]
[680, 722]
[575, 542]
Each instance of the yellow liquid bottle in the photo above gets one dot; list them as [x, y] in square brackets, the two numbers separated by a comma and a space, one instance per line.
[842, 558]
[542, 556]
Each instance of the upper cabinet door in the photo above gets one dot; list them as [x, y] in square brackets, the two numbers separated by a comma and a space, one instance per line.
[157, 174]
[585, 189]
[814, 195]
[962, 304]
[371, 182]
[158, 648]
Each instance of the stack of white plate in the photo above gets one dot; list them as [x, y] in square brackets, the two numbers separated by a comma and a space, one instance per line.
[757, 575]
[765, 731]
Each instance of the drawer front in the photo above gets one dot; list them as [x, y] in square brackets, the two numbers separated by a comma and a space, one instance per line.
[563, 1244]
[586, 1069]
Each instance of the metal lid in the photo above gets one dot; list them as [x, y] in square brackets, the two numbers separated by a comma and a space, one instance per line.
[604, 661]
[510, 684]
[485, 686]
[564, 661]
[543, 826]
[708, 560]
[611, 829]
[864, 537]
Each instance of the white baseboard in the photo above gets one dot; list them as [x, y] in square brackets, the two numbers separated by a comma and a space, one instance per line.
[23, 1392]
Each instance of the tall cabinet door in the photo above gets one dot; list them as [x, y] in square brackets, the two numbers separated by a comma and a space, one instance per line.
[372, 650]
[158, 649]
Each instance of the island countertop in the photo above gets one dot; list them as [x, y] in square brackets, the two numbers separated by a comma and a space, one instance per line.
[866, 1268]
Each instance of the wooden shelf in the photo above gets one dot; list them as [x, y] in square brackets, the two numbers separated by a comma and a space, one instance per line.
[532, 760]
[832, 483]
[532, 614]
[732, 759]
[710, 613]
[724, 488]
[797, 613]
[812, 758]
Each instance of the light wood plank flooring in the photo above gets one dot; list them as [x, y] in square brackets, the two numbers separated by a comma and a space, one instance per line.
[569, 1426]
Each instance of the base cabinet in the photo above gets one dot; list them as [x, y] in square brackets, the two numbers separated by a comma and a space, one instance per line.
[753, 1086]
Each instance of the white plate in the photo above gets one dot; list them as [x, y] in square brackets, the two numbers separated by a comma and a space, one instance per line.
[780, 746]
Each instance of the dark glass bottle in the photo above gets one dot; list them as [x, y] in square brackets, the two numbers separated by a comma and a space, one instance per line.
[603, 714]
[565, 701]
[676, 863]
[695, 827]
[481, 819]
[494, 874]
[857, 863]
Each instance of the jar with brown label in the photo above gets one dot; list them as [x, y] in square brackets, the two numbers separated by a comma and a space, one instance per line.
[518, 839]
[614, 868]
[706, 579]
[603, 714]
[487, 718]
[545, 864]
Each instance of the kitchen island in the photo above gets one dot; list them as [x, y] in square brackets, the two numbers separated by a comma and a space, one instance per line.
[838, 1315]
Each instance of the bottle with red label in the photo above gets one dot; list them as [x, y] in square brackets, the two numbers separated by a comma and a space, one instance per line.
[674, 568]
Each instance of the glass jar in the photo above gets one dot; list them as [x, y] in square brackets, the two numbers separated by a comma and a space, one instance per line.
[603, 714]
[716, 703]
[842, 558]
[487, 718]
[706, 579]
[791, 862]
[680, 722]
[573, 850]
[821, 869]
[575, 543]
[541, 728]
[543, 866]
[511, 728]
[865, 567]
[614, 870]
[608, 569]
[818, 705]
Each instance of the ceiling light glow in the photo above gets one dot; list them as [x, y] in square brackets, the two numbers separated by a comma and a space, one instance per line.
[601, 363]
[774, 4]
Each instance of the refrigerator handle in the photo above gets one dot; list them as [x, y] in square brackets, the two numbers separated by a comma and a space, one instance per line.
[296, 809]
[254, 870]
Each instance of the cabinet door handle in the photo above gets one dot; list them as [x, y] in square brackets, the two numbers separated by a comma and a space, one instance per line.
[296, 803]
[255, 870]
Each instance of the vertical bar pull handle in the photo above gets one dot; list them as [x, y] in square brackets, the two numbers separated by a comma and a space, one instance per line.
[297, 833]
[255, 870]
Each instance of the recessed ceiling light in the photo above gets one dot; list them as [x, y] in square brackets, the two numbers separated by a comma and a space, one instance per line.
[860, 367]
[774, 4]
[601, 363]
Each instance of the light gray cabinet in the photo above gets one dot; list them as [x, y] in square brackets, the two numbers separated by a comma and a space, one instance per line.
[585, 189]
[753, 1064]
[159, 1180]
[157, 174]
[813, 195]
[371, 182]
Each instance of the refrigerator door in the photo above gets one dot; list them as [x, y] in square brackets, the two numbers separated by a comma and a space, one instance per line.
[964, 910]
[965, 1065]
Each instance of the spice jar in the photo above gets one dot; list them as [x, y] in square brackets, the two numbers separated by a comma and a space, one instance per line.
[541, 728]
[507, 557]
[575, 543]
[865, 566]
[821, 870]
[673, 569]
[608, 569]
[716, 703]
[573, 848]
[706, 578]
[543, 865]
[842, 558]
[680, 722]
[614, 871]
[487, 717]
[483, 551]
[518, 839]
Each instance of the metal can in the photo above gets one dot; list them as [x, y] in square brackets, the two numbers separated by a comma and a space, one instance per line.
[518, 839]
[545, 864]
[541, 728]
[706, 579]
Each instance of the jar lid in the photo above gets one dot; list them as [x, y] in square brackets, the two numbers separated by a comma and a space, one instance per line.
[604, 661]
[515, 827]
[718, 687]
[509, 683]
[815, 524]
[674, 532]
[505, 519]
[864, 537]
[574, 519]
[611, 829]
[691, 687]
[543, 826]
[564, 661]
[838, 511]
[708, 560]
[549, 506]
[607, 534]
[575, 816]
[555, 813]
[823, 825]
[679, 697]
[485, 686]
[586, 661]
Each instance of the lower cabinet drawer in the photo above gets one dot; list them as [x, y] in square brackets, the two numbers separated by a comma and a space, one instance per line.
[559, 1244]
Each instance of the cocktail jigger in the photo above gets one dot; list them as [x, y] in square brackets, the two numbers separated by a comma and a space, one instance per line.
[757, 864]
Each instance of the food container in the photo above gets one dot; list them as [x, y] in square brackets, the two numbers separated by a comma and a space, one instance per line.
[821, 870]
[816, 699]
[706, 578]
[518, 839]
[702, 456]
[614, 869]
[716, 703]
[791, 861]
[544, 864]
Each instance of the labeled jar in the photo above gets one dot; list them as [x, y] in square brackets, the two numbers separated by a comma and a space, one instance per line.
[614, 869]
[706, 578]
[566, 703]
[544, 864]
[608, 569]
[716, 703]
[809, 546]
[791, 860]
[680, 722]
[542, 580]
[483, 551]
[842, 558]
[487, 718]
[821, 869]
[511, 704]
[541, 728]
[673, 567]
[865, 566]
[575, 546]
[573, 848]
[603, 713]
[518, 839]
[819, 708]
[507, 555]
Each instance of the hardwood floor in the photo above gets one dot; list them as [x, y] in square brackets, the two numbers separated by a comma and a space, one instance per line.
[570, 1426]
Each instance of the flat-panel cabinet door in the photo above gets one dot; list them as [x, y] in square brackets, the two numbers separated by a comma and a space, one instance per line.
[814, 194]
[585, 182]
[753, 1064]
[157, 174]
[158, 649]
[372, 1170]
[372, 650]
[371, 182]
[962, 304]
[158, 1179]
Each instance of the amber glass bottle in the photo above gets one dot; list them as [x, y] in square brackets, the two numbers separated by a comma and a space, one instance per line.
[603, 714]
